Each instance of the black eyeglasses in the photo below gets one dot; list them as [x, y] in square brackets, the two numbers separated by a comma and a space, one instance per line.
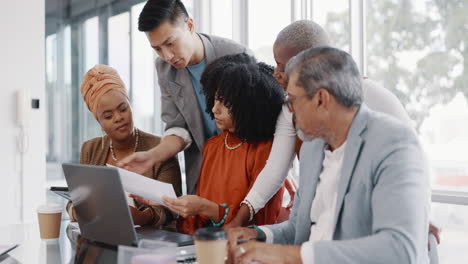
[288, 100]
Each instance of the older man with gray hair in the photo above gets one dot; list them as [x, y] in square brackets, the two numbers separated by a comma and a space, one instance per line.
[294, 38]
[364, 193]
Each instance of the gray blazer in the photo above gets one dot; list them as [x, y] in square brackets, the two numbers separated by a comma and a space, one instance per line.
[179, 105]
[383, 196]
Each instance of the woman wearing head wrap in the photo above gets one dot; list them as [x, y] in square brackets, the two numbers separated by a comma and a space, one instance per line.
[106, 97]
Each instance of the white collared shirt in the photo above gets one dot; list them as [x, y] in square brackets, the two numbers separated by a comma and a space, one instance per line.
[180, 132]
[322, 213]
[323, 208]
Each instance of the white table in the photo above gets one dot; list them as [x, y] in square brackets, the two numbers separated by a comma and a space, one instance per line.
[36, 251]
[31, 248]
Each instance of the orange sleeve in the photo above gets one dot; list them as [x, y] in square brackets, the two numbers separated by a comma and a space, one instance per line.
[190, 224]
[269, 214]
[256, 159]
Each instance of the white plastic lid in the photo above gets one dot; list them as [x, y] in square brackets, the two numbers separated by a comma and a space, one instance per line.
[49, 209]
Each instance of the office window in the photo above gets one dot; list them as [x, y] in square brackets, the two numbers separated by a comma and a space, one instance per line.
[51, 79]
[145, 90]
[91, 43]
[89, 127]
[417, 49]
[118, 46]
[453, 220]
[189, 6]
[58, 103]
[333, 16]
[221, 18]
[266, 18]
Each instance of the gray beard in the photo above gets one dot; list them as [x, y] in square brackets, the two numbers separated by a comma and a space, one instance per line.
[303, 136]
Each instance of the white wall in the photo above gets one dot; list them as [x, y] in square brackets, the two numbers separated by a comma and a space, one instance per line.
[22, 67]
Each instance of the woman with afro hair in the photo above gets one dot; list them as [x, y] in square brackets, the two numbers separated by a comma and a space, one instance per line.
[244, 99]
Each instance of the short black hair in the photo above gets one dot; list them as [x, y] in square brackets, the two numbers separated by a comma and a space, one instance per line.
[157, 12]
[249, 90]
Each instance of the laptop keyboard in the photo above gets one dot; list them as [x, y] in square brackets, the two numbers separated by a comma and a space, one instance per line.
[186, 255]
[187, 260]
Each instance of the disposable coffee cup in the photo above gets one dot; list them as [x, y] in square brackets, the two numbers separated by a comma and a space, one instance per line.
[50, 218]
[210, 245]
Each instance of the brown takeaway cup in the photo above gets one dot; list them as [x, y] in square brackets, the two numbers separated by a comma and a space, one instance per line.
[210, 245]
[50, 218]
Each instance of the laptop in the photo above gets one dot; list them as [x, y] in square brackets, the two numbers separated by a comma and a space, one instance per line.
[102, 211]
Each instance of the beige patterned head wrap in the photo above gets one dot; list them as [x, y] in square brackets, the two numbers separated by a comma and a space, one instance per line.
[97, 81]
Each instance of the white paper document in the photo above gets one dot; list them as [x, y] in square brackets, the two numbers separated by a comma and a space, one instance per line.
[145, 187]
[130, 200]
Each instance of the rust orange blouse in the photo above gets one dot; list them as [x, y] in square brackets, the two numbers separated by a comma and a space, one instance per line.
[226, 176]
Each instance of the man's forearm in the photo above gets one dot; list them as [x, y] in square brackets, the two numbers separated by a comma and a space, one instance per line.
[168, 148]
